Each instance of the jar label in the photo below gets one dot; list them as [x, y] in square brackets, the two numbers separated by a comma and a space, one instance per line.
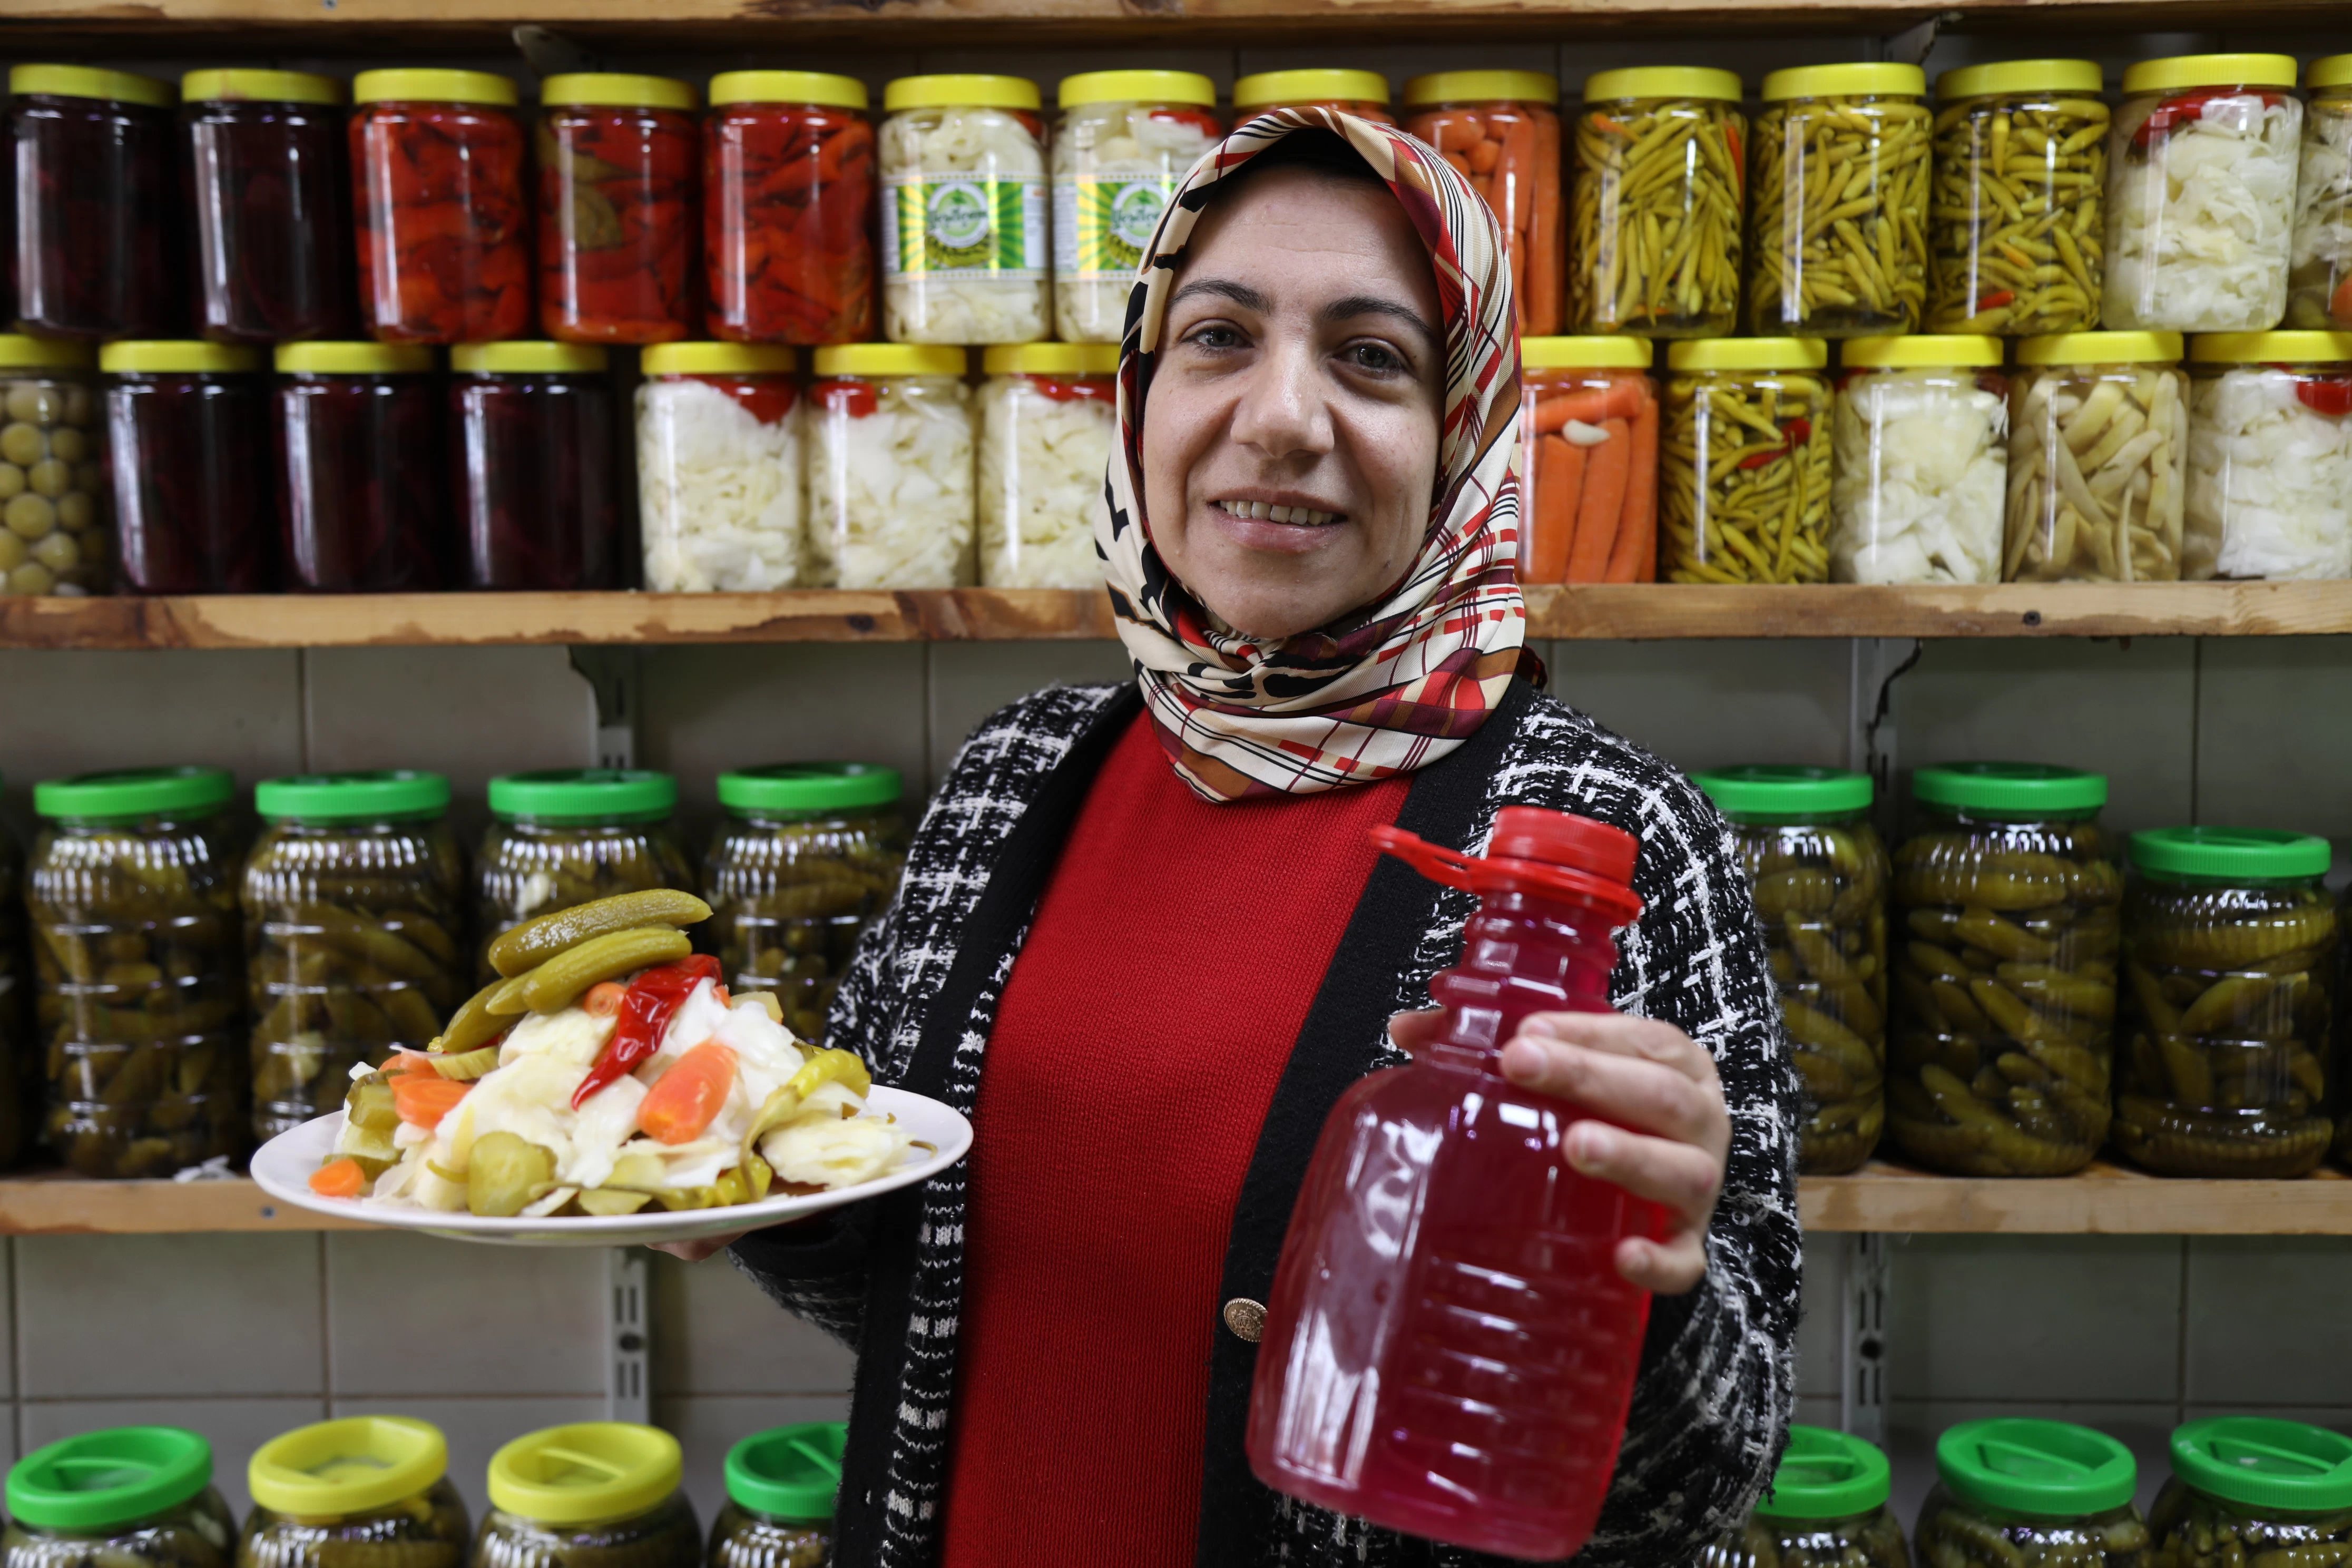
[1101, 226]
[964, 226]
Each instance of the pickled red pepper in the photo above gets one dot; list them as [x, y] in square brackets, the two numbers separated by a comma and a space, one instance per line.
[1501, 132]
[1591, 465]
[651, 1000]
[444, 225]
[788, 181]
[618, 160]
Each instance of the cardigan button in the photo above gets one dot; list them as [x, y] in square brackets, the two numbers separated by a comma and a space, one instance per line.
[1247, 1319]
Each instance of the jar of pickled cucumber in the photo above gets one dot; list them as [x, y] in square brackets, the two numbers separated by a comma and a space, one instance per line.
[355, 921]
[20, 1070]
[1661, 187]
[593, 1493]
[2098, 454]
[1363, 93]
[2230, 957]
[126, 1496]
[2016, 241]
[367, 1491]
[2006, 899]
[810, 854]
[57, 526]
[1839, 238]
[1826, 1507]
[565, 836]
[1819, 874]
[2254, 1490]
[2016, 1493]
[1744, 467]
[781, 1487]
[132, 898]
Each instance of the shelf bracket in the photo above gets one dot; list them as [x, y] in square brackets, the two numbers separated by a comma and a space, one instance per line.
[1910, 46]
[550, 53]
[627, 1386]
[612, 673]
[1862, 1323]
[1878, 664]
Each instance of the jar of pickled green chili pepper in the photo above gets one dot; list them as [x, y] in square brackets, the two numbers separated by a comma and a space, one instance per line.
[560, 837]
[780, 1489]
[2015, 1492]
[366, 1492]
[596, 1494]
[2254, 1489]
[1826, 1509]
[124, 1496]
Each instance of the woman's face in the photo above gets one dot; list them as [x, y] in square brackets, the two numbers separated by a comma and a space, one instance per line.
[1290, 432]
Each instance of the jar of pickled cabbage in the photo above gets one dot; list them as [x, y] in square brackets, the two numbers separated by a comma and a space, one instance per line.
[367, 1491]
[537, 500]
[56, 530]
[362, 490]
[2006, 895]
[1847, 257]
[890, 494]
[780, 1488]
[97, 175]
[1820, 873]
[1661, 187]
[599, 1491]
[619, 171]
[2253, 1489]
[1500, 130]
[1827, 1504]
[808, 857]
[2013, 1490]
[1737, 505]
[439, 160]
[2319, 273]
[129, 1497]
[788, 187]
[2098, 444]
[564, 836]
[719, 469]
[188, 428]
[1048, 418]
[2201, 194]
[2270, 456]
[1589, 471]
[269, 205]
[2017, 236]
[1124, 140]
[1919, 462]
[1364, 94]
[963, 211]
[2229, 945]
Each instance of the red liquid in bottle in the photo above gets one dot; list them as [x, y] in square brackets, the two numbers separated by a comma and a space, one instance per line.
[1449, 1348]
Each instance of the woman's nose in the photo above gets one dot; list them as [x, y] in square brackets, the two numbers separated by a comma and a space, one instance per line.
[1284, 410]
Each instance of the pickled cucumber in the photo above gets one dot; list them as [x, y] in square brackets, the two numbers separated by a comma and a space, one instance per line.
[190, 1534]
[664, 1536]
[2192, 1531]
[504, 1172]
[1874, 1541]
[742, 1539]
[429, 1531]
[788, 899]
[1951, 1534]
[536, 941]
[529, 870]
[552, 986]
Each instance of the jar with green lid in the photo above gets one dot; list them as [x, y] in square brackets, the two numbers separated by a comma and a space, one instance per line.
[367, 1491]
[124, 1496]
[2006, 898]
[2254, 1489]
[781, 1486]
[1744, 467]
[2098, 459]
[132, 893]
[2230, 954]
[2016, 223]
[598, 1494]
[1820, 873]
[1839, 243]
[57, 532]
[355, 921]
[809, 854]
[564, 836]
[1826, 1509]
[1659, 202]
[2015, 1492]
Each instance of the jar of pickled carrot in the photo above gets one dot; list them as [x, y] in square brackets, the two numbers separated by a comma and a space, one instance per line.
[1501, 131]
[1589, 471]
[618, 160]
[1364, 94]
[788, 221]
[443, 228]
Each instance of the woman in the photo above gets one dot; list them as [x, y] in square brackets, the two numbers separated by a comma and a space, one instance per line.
[1144, 941]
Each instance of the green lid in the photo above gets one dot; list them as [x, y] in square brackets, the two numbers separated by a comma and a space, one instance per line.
[808, 787]
[2017, 789]
[579, 794]
[102, 1479]
[1826, 1475]
[2052, 1469]
[135, 791]
[352, 797]
[2259, 1462]
[1760, 789]
[789, 1472]
[2256, 852]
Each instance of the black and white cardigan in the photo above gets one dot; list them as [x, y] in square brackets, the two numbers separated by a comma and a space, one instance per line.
[1712, 1402]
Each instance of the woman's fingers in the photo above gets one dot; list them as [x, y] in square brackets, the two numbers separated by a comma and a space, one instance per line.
[1645, 1075]
[695, 1251]
[1683, 1177]
[1413, 1032]
[1667, 1267]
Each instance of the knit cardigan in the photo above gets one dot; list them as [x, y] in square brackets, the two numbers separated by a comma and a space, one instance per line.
[1711, 1402]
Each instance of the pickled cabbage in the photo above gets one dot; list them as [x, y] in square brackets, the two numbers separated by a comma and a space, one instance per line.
[2269, 480]
[2200, 218]
[1117, 164]
[2322, 221]
[963, 220]
[719, 492]
[1920, 462]
[1041, 481]
[890, 491]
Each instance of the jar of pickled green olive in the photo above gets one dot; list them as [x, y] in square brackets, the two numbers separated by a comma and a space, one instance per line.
[124, 1496]
[1744, 462]
[2230, 957]
[2254, 1489]
[2006, 899]
[2014, 1492]
[1826, 1509]
[354, 913]
[132, 898]
[2016, 219]
[367, 1491]
[1820, 873]
[565, 836]
[809, 853]
[1839, 246]
[55, 528]
[598, 1494]
[781, 1486]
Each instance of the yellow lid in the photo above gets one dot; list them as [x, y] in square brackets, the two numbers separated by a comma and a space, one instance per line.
[1921, 351]
[602, 90]
[86, 81]
[1662, 81]
[179, 357]
[1051, 359]
[432, 87]
[19, 351]
[1136, 87]
[2336, 70]
[1482, 87]
[585, 1473]
[2101, 348]
[529, 356]
[333, 1469]
[2269, 348]
[788, 86]
[1748, 354]
[1269, 88]
[259, 87]
[352, 359]
[718, 359]
[2179, 71]
[1857, 81]
[960, 92]
[2019, 76]
[1586, 353]
[890, 359]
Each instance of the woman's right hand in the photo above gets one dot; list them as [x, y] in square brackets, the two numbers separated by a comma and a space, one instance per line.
[695, 1251]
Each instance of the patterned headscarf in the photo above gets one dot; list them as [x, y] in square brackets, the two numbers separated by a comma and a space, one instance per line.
[1399, 684]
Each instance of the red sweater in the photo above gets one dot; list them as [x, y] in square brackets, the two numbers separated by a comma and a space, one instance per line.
[1137, 1049]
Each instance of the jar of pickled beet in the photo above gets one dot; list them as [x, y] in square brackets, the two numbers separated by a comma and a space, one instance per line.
[1364, 94]
[788, 190]
[269, 205]
[361, 507]
[437, 162]
[537, 496]
[188, 427]
[98, 203]
[617, 169]
[566, 837]
[56, 533]
[718, 469]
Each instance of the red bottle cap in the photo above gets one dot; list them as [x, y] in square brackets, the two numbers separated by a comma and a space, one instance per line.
[1534, 850]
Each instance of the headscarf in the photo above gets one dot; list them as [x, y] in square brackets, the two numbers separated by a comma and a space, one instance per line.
[1399, 684]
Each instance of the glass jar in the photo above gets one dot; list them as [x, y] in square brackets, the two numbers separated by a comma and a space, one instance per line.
[2201, 194]
[2319, 273]
[1126, 139]
[963, 211]
[2230, 946]
[808, 857]
[130, 1497]
[595, 1494]
[57, 528]
[2016, 217]
[269, 205]
[1826, 1505]
[1500, 130]
[1920, 461]
[788, 186]
[2270, 456]
[2013, 1491]
[2005, 984]
[1658, 208]
[890, 498]
[1588, 467]
[1048, 419]
[361, 506]
[719, 469]
[619, 166]
[98, 203]
[1364, 94]
[780, 1489]
[437, 163]
[2118, 402]
[537, 496]
[20, 1058]
[188, 429]
[1746, 508]
[564, 836]
[1839, 248]
[1819, 874]
[367, 1491]
[2252, 1488]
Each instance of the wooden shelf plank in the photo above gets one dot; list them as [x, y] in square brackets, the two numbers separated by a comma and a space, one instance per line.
[54, 1203]
[2105, 1200]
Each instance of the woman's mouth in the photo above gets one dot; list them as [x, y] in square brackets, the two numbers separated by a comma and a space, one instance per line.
[1266, 511]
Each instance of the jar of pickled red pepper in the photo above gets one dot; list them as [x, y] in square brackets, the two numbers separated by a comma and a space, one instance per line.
[564, 836]
[1744, 474]
[1500, 130]
[781, 1485]
[2269, 481]
[362, 498]
[1589, 474]
[2017, 214]
[56, 533]
[1048, 416]
[366, 1492]
[188, 427]
[1839, 241]
[1918, 461]
[97, 219]
[2098, 459]
[719, 480]
[1661, 188]
[1125, 138]
[788, 191]
[538, 500]
[594, 1492]
[964, 249]
[2319, 275]
[437, 174]
[2017, 1490]
[130, 1497]
[269, 205]
[890, 499]
[2254, 1489]
[619, 164]
[1364, 94]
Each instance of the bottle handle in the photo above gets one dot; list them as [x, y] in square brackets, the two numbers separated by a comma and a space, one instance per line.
[1434, 861]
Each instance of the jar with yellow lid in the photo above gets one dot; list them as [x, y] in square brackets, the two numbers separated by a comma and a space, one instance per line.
[1660, 199]
[367, 1491]
[1588, 472]
[781, 1490]
[720, 461]
[1364, 94]
[99, 244]
[128, 1496]
[56, 523]
[1744, 465]
[438, 159]
[964, 241]
[2319, 275]
[2201, 194]
[2017, 230]
[619, 176]
[1124, 140]
[2098, 438]
[2270, 456]
[1500, 130]
[1839, 242]
[187, 425]
[788, 188]
[269, 205]
[363, 501]
[1920, 460]
[1048, 416]
[890, 497]
[598, 1494]
[538, 502]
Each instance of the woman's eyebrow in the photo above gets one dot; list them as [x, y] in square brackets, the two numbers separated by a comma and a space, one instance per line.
[1356, 305]
[1241, 294]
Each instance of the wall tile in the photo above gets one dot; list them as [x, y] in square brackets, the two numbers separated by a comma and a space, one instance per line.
[2032, 1317]
[1913, 1426]
[970, 680]
[243, 1316]
[1820, 1336]
[707, 1426]
[8, 1320]
[2260, 762]
[2266, 1319]
[234, 1428]
[1704, 704]
[519, 1319]
[714, 1332]
[478, 1428]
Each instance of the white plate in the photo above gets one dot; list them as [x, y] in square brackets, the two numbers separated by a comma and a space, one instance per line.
[284, 1165]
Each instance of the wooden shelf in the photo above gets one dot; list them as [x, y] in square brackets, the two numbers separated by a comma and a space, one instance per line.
[55, 1204]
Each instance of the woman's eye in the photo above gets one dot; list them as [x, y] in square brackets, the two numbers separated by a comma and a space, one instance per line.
[1213, 336]
[1375, 357]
